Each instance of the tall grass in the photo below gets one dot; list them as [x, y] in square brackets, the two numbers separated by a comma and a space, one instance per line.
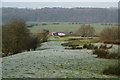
[113, 70]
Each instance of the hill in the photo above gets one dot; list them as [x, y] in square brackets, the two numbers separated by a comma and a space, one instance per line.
[56, 14]
[55, 62]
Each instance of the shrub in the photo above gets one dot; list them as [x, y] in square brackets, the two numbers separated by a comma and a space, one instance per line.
[66, 44]
[85, 46]
[112, 42]
[110, 34]
[79, 47]
[71, 45]
[86, 31]
[90, 46]
[114, 70]
[101, 53]
[14, 37]
[33, 43]
[114, 56]
[43, 35]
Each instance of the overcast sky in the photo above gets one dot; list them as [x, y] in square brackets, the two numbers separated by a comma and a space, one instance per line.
[59, 0]
[59, 3]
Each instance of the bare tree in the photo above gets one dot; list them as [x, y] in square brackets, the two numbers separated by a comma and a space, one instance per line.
[86, 31]
[110, 33]
[43, 35]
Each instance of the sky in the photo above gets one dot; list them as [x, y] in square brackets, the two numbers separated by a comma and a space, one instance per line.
[59, 3]
[60, 0]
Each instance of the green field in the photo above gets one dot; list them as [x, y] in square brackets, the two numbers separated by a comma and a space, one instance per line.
[66, 26]
[51, 60]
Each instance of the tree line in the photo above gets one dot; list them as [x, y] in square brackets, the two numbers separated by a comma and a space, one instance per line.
[83, 15]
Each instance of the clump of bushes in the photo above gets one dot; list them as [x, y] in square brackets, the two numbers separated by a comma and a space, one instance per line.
[113, 70]
[103, 46]
[33, 43]
[66, 44]
[43, 35]
[112, 42]
[86, 31]
[110, 34]
[72, 39]
[16, 38]
[90, 46]
[71, 45]
[75, 47]
[102, 53]
[114, 55]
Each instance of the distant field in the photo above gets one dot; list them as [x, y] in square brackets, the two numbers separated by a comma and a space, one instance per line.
[66, 26]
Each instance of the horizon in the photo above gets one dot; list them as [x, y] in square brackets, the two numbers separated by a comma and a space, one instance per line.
[36, 5]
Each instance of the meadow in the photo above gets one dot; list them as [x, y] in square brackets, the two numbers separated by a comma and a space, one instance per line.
[66, 26]
[51, 60]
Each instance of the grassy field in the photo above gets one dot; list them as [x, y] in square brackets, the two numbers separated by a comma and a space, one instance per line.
[51, 60]
[65, 26]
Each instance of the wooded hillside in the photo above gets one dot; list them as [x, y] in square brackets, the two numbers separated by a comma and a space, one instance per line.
[83, 15]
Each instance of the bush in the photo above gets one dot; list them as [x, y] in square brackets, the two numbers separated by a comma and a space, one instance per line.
[66, 44]
[112, 42]
[85, 46]
[90, 46]
[36, 39]
[71, 45]
[103, 46]
[101, 53]
[110, 34]
[43, 35]
[33, 43]
[86, 31]
[114, 56]
[114, 70]
[15, 37]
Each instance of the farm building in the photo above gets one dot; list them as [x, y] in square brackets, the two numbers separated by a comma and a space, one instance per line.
[58, 33]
